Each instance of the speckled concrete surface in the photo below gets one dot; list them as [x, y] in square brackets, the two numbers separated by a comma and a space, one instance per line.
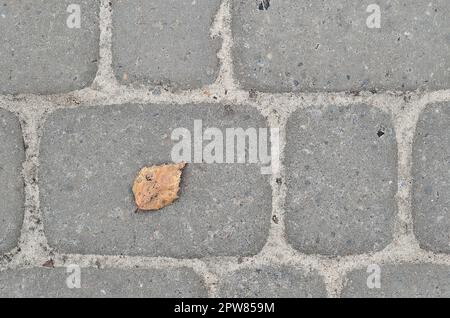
[335, 236]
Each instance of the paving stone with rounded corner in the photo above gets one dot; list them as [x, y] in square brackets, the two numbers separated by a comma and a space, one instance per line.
[309, 45]
[341, 178]
[431, 175]
[399, 281]
[12, 155]
[165, 42]
[272, 282]
[40, 53]
[89, 158]
[101, 283]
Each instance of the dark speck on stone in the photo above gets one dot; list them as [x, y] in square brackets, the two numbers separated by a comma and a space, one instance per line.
[264, 5]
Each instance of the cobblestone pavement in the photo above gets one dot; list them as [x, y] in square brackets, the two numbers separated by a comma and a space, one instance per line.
[90, 91]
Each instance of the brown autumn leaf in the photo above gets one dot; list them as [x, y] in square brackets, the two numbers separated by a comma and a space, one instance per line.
[157, 186]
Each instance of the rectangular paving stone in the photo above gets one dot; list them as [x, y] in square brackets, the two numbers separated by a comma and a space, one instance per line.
[101, 283]
[272, 282]
[308, 45]
[89, 158]
[12, 156]
[431, 175]
[341, 178]
[40, 53]
[400, 281]
[165, 42]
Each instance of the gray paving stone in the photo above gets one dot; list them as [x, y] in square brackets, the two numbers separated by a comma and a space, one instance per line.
[306, 45]
[341, 180]
[88, 161]
[11, 186]
[165, 42]
[402, 281]
[431, 187]
[272, 282]
[101, 283]
[40, 53]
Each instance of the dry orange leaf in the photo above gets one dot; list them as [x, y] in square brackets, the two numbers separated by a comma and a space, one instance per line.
[157, 186]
